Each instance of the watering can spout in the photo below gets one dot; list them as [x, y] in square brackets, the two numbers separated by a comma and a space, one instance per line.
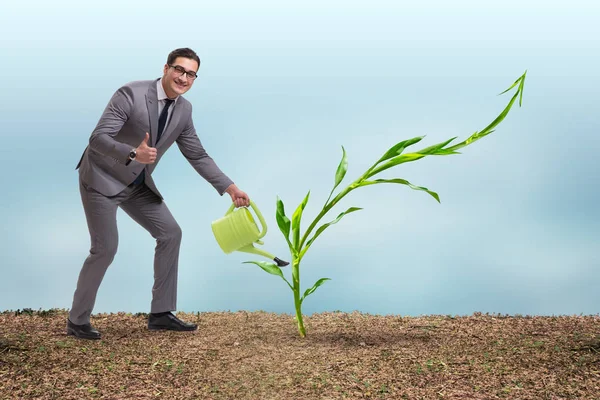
[280, 262]
[251, 249]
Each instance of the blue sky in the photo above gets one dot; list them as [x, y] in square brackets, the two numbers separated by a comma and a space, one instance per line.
[280, 90]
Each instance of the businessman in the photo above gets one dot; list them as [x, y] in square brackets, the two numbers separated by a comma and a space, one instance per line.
[140, 123]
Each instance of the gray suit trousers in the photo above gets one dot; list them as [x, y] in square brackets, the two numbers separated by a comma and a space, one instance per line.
[148, 210]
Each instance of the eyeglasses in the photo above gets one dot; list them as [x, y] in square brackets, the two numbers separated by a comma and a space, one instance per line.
[181, 71]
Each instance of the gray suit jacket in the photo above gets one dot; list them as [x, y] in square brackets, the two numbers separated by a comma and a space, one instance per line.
[131, 112]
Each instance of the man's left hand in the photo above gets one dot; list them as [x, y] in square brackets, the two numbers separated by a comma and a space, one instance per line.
[239, 198]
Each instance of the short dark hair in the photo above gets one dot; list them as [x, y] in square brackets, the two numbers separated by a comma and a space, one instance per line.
[183, 52]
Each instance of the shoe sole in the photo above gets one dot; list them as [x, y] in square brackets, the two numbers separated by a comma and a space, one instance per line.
[164, 328]
[71, 332]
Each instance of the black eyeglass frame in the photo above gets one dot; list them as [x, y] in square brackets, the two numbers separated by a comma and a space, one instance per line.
[189, 74]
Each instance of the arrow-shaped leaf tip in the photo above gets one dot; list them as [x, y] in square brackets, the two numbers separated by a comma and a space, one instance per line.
[519, 81]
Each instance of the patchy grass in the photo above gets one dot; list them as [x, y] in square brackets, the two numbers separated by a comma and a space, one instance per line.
[259, 355]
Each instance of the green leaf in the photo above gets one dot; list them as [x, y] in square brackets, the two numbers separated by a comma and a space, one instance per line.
[398, 148]
[403, 158]
[521, 88]
[502, 115]
[520, 80]
[432, 150]
[282, 221]
[296, 218]
[267, 266]
[313, 288]
[447, 152]
[324, 226]
[488, 129]
[499, 118]
[403, 182]
[271, 268]
[341, 169]
[512, 86]
[340, 173]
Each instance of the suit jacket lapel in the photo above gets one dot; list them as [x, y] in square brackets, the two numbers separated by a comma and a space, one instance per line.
[152, 104]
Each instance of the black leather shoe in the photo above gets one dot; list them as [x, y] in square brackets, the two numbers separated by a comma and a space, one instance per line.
[85, 331]
[167, 321]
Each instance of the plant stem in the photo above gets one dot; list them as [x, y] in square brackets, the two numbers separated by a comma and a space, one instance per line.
[329, 206]
[297, 303]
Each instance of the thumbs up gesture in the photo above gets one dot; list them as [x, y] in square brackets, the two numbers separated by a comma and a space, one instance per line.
[144, 153]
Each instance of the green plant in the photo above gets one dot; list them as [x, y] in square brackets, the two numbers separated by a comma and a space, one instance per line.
[299, 245]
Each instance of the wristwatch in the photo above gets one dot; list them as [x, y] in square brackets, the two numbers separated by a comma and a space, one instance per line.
[132, 155]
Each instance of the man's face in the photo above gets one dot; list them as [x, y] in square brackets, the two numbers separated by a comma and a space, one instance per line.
[175, 83]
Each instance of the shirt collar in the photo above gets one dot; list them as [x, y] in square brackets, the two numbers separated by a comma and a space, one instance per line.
[160, 92]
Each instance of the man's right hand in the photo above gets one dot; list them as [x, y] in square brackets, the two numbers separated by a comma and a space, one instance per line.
[145, 154]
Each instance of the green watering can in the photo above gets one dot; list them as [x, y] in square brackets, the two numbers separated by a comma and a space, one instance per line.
[237, 231]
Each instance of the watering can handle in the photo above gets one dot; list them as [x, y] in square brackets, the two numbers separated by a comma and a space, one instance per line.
[258, 214]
